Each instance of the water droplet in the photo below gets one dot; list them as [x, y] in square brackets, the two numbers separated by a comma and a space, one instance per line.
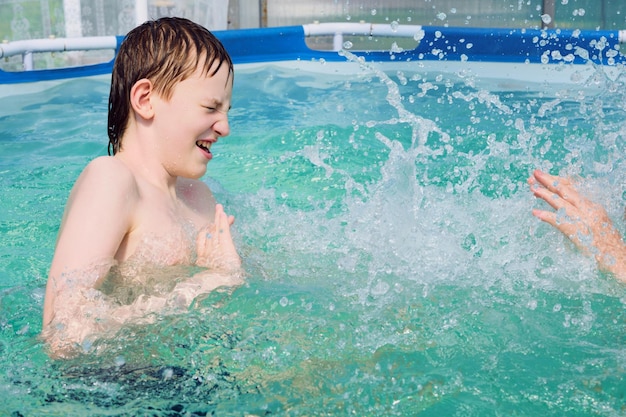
[395, 48]
[394, 26]
[284, 301]
[168, 373]
[373, 12]
[469, 242]
[442, 16]
[381, 288]
[546, 18]
[347, 45]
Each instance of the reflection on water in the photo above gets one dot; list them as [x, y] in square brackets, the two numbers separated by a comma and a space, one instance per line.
[393, 264]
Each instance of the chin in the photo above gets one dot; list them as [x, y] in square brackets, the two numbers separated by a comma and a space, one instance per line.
[192, 175]
[197, 175]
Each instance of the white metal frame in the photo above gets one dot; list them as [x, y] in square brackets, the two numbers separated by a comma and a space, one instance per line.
[28, 47]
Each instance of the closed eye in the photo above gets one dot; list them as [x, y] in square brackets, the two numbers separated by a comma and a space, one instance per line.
[215, 109]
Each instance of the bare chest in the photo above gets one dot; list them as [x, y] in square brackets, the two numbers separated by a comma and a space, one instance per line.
[161, 235]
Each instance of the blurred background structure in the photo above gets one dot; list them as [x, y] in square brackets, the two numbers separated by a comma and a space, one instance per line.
[37, 19]
[31, 19]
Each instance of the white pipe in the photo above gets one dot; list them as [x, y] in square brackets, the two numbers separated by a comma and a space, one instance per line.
[28, 61]
[622, 36]
[338, 41]
[361, 29]
[57, 45]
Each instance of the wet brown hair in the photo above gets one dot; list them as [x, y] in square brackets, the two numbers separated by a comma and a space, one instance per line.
[165, 51]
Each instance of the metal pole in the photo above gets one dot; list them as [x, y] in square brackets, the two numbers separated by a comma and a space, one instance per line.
[548, 9]
[263, 13]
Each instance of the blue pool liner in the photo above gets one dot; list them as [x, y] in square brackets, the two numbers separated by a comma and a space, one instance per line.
[533, 46]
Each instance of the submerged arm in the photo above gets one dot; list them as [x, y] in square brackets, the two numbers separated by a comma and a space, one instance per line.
[84, 314]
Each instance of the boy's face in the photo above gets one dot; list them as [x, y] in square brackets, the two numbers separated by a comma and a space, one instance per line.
[192, 120]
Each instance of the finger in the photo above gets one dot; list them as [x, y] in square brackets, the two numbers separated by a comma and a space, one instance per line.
[203, 242]
[561, 186]
[551, 182]
[223, 224]
[563, 223]
[201, 238]
[225, 220]
[552, 198]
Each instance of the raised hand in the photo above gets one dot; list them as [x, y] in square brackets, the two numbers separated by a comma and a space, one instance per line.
[215, 246]
[583, 221]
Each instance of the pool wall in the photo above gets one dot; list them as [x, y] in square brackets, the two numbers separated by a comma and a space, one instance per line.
[544, 47]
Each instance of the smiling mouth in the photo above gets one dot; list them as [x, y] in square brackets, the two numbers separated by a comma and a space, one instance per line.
[204, 146]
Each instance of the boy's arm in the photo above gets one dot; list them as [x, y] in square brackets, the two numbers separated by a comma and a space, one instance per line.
[584, 222]
[97, 216]
[87, 313]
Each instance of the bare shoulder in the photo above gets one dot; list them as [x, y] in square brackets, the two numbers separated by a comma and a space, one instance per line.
[108, 175]
[105, 182]
[106, 168]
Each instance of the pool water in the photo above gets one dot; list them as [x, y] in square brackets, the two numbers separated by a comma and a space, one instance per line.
[393, 266]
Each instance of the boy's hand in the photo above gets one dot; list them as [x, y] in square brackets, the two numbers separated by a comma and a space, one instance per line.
[215, 246]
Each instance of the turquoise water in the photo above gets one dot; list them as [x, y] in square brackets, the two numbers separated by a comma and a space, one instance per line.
[393, 264]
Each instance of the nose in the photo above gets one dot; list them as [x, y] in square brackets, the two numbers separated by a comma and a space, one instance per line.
[222, 127]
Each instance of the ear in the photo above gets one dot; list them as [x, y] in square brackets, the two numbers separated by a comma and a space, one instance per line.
[140, 98]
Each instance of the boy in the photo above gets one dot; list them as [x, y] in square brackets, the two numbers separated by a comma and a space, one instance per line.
[135, 221]
[584, 222]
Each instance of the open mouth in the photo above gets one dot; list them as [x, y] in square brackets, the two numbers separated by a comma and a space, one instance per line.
[204, 146]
